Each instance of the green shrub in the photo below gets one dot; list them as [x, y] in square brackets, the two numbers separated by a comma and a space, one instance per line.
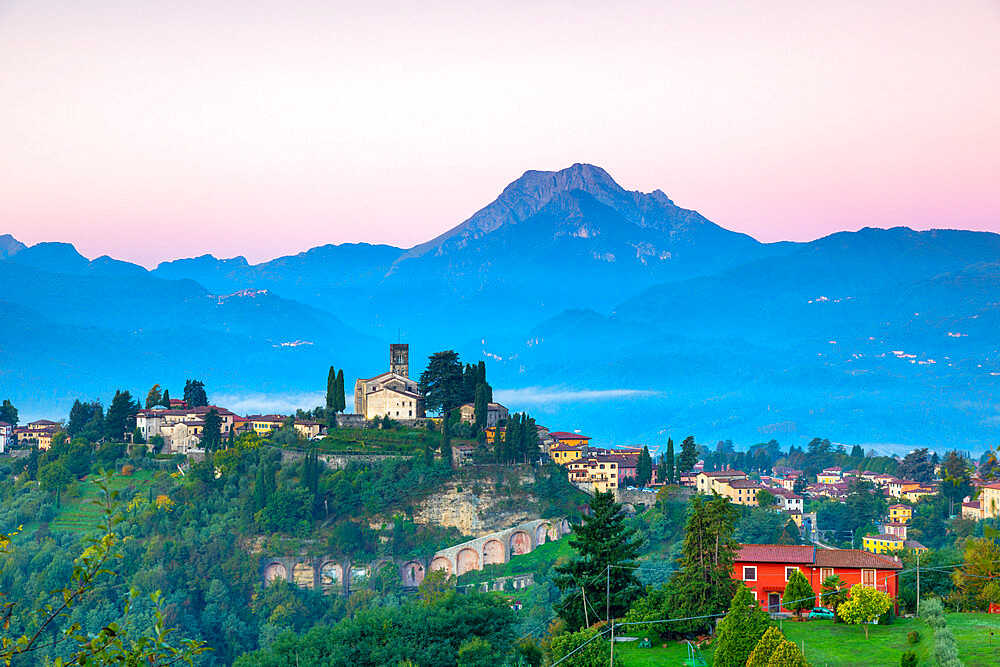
[908, 659]
[913, 637]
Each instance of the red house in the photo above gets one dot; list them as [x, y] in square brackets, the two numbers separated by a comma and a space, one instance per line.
[765, 568]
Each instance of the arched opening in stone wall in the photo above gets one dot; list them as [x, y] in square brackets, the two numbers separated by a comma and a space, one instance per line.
[541, 533]
[274, 572]
[359, 577]
[331, 576]
[302, 575]
[493, 552]
[413, 573]
[467, 561]
[441, 563]
[520, 543]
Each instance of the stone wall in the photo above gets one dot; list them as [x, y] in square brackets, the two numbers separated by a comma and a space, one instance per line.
[343, 576]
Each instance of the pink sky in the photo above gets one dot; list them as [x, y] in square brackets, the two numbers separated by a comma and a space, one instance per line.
[154, 130]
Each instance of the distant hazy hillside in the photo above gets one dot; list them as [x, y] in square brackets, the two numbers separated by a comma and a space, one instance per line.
[598, 308]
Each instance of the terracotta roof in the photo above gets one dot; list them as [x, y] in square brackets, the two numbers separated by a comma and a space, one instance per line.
[972, 503]
[775, 553]
[4, 424]
[913, 544]
[854, 558]
[890, 538]
[569, 436]
[42, 422]
[897, 506]
[745, 484]
[723, 473]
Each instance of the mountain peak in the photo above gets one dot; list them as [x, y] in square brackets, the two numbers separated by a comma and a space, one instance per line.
[9, 246]
[530, 193]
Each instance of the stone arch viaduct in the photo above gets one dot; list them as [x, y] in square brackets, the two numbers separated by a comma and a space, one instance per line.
[342, 576]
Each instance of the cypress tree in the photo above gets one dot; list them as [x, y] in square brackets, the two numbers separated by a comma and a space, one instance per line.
[688, 457]
[670, 461]
[331, 396]
[341, 397]
[481, 407]
[166, 398]
[644, 467]
[661, 470]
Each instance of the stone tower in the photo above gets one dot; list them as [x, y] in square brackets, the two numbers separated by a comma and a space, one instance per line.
[399, 359]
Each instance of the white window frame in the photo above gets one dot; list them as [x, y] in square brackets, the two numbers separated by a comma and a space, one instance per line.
[825, 572]
[788, 571]
[749, 567]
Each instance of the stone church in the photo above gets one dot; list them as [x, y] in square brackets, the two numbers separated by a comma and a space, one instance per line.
[392, 393]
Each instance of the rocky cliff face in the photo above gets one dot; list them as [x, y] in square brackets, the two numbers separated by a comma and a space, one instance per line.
[476, 507]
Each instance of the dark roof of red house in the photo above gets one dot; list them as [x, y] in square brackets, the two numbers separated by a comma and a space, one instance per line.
[854, 558]
[775, 553]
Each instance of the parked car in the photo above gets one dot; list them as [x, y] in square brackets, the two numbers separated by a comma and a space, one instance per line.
[821, 612]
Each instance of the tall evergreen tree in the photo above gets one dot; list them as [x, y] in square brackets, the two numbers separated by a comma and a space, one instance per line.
[703, 585]
[166, 398]
[331, 396]
[644, 467]
[8, 413]
[194, 394]
[670, 461]
[442, 383]
[740, 630]
[32, 466]
[211, 433]
[79, 415]
[605, 563]
[341, 396]
[481, 407]
[116, 423]
[688, 457]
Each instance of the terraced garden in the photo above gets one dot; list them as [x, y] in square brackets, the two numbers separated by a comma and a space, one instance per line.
[82, 515]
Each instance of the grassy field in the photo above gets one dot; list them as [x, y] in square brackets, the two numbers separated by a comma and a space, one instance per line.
[82, 515]
[835, 644]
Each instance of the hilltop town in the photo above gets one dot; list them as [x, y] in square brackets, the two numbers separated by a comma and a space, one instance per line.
[431, 484]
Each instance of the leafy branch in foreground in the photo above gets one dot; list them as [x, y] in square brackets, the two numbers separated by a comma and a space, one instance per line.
[114, 644]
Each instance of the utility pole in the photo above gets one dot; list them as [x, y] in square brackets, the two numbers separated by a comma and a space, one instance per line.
[612, 643]
[918, 583]
[607, 608]
[586, 616]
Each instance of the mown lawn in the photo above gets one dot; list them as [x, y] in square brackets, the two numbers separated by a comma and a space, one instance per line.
[829, 644]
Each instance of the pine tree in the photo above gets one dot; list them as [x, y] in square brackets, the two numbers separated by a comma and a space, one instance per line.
[644, 467]
[762, 652]
[740, 630]
[799, 595]
[117, 419]
[194, 394]
[670, 461]
[8, 413]
[607, 550]
[703, 585]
